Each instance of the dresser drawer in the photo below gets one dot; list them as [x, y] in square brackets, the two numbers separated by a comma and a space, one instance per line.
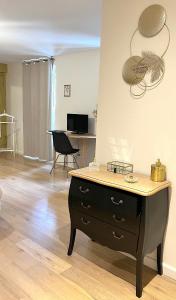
[94, 198]
[84, 189]
[113, 217]
[117, 219]
[86, 196]
[122, 202]
[113, 237]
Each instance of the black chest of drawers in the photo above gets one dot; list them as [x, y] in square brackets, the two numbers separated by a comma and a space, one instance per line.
[120, 220]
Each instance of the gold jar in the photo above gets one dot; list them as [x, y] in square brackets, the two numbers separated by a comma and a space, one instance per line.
[158, 172]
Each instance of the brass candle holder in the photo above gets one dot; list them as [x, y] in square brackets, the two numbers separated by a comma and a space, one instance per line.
[158, 172]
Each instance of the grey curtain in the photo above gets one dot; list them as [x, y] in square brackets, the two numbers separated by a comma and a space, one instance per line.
[37, 108]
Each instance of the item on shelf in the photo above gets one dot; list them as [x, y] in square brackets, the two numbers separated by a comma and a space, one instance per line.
[131, 178]
[119, 167]
[158, 171]
[94, 165]
[95, 112]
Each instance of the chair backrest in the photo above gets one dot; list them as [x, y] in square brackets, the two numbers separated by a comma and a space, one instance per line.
[61, 142]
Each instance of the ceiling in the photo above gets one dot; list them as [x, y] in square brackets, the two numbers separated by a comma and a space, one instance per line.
[36, 28]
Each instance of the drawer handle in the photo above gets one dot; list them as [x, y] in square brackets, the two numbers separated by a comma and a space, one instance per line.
[85, 222]
[118, 219]
[119, 237]
[86, 206]
[84, 191]
[116, 202]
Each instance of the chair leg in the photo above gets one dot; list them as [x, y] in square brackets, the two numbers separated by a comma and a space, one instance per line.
[64, 161]
[75, 161]
[54, 164]
[67, 164]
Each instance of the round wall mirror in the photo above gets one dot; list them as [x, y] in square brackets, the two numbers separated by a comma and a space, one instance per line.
[133, 72]
[152, 20]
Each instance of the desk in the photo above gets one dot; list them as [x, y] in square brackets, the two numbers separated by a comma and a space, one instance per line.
[80, 136]
[86, 144]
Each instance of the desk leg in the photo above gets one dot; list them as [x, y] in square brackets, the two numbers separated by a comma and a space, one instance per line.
[83, 152]
[87, 150]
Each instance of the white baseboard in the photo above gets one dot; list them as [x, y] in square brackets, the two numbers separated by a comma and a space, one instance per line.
[169, 271]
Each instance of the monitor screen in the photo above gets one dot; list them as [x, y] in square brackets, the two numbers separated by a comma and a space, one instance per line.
[77, 123]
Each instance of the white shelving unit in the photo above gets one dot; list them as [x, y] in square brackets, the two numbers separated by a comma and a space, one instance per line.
[10, 121]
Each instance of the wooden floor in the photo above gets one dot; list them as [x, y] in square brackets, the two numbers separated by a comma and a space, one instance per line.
[34, 234]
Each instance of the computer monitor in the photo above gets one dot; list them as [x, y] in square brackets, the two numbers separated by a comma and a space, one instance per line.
[77, 123]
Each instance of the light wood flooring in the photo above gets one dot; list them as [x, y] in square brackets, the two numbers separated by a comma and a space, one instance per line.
[34, 234]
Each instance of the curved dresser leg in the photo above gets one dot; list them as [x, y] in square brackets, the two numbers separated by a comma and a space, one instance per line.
[160, 259]
[139, 273]
[72, 241]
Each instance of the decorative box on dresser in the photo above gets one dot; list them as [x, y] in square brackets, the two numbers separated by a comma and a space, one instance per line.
[128, 217]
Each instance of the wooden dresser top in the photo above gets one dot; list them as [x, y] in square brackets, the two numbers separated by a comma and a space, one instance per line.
[144, 187]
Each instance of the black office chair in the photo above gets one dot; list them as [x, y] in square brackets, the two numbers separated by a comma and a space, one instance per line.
[63, 146]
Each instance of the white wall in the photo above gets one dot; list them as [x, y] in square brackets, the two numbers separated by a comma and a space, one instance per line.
[138, 131]
[81, 70]
[14, 92]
